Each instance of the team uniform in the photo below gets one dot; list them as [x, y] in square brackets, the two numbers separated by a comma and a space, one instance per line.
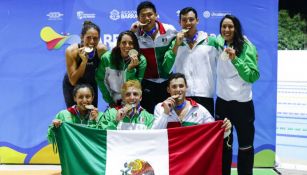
[154, 82]
[199, 67]
[196, 115]
[110, 79]
[234, 101]
[138, 119]
[72, 115]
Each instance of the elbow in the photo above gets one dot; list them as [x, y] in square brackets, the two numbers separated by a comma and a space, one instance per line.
[72, 82]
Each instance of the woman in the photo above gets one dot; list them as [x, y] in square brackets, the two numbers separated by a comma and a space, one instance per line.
[83, 112]
[116, 67]
[235, 74]
[81, 66]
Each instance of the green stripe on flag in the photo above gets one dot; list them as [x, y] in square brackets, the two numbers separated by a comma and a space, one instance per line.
[79, 145]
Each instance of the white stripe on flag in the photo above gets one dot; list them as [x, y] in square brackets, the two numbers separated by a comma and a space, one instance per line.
[127, 146]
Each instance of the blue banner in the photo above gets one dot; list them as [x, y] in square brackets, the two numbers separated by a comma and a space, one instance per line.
[35, 34]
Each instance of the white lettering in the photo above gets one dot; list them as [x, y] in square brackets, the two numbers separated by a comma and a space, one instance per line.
[110, 40]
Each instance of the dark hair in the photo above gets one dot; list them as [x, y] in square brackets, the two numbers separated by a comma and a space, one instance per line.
[79, 86]
[88, 25]
[144, 5]
[176, 76]
[238, 39]
[187, 10]
[116, 57]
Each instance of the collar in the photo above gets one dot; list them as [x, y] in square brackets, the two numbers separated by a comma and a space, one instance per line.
[73, 110]
[192, 102]
[192, 39]
[161, 29]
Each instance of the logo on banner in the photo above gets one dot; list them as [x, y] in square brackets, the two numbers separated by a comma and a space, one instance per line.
[55, 15]
[208, 14]
[55, 40]
[114, 15]
[82, 15]
[137, 167]
[125, 14]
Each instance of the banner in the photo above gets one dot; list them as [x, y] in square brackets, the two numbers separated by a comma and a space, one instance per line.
[32, 61]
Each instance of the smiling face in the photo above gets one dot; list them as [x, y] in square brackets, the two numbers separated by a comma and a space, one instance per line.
[132, 96]
[91, 38]
[83, 97]
[227, 30]
[189, 21]
[149, 17]
[177, 86]
[125, 45]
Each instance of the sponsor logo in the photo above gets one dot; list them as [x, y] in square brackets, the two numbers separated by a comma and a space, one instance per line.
[54, 40]
[114, 15]
[55, 15]
[136, 167]
[82, 15]
[125, 14]
[208, 14]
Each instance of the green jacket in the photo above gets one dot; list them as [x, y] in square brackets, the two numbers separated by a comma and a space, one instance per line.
[246, 63]
[69, 116]
[110, 80]
[140, 121]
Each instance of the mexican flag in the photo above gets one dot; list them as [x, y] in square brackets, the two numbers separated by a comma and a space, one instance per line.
[195, 150]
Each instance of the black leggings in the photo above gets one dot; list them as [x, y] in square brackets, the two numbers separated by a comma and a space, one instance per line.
[242, 116]
[153, 93]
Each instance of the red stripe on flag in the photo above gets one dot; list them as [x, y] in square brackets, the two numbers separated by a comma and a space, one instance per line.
[196, 150]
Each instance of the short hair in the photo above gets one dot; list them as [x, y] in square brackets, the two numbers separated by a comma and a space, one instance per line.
[176, 76]
[144, 5]
[131, 83]
[88, 25]
[187, 10]
[79, 86]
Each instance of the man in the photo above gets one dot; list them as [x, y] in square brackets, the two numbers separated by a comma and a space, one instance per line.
[130, 116]
[191, 55]
[179, 111]
[154, 39]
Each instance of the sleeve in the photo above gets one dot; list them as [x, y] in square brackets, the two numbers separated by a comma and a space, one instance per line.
[246, 63]
[138, 72]
[108, 121]
[215, 42]
[100, 77]
[161, 119]
[207, 117]
[50, 135]
[94, 123]
[149, 119]
[169, 58]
